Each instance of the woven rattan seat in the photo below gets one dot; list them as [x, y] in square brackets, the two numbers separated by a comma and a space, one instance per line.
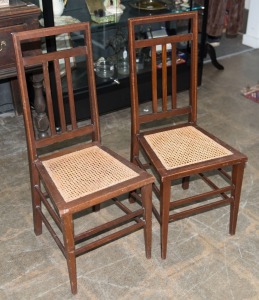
[184, 146]
[86, 171]
[166, 140]
[71, 178]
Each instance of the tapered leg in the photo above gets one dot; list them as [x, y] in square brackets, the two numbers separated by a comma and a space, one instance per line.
[164, 212]
[237, 178]
[146, 195]
[68, 236]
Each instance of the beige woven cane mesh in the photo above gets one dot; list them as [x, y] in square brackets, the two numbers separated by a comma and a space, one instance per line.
[86, 171]
[184, 146]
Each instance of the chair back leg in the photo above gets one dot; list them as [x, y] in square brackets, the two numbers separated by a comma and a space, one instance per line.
[36, 204]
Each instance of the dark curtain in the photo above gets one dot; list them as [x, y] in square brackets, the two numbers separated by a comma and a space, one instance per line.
[224, 14]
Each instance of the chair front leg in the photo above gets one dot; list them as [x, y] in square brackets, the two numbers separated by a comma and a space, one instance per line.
[165, 194]
[146, 195]
[69, 244]
[237, 179]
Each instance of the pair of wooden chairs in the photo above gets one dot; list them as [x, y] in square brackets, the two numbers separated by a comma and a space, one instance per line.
[67, 182]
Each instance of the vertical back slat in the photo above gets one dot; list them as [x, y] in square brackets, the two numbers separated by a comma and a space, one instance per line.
[59, 96]
[49, 102]
[174, 76]
[154, 79]
[70, 94]
[164, 77]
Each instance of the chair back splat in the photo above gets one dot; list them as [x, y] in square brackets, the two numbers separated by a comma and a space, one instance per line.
[166, 139]
[164, 79]
[71, 173]
[60, 63]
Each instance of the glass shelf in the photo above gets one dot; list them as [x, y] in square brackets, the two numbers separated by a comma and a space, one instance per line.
[83, 15]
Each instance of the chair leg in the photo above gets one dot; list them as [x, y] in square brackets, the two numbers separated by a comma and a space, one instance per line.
[131, 198]
[36, 206]
[68, 236]
[185, 182]
[96, 208]
[146, 195]
[237, 178]
[165, 194]
[37, 221]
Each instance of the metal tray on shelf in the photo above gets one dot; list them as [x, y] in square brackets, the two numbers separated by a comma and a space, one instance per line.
[149, 5]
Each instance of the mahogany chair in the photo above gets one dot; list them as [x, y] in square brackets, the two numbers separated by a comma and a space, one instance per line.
[167, 140]
[66, 181]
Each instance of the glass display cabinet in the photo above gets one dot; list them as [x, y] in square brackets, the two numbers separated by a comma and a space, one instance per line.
[109, 36]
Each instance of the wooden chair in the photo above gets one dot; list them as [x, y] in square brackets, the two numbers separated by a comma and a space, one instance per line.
[177, 148]
[65, 182]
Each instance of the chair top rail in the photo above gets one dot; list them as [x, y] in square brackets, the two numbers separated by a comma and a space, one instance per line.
[162, 18]
[51, 31]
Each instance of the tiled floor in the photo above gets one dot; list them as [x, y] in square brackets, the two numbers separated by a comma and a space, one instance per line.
[203, 262]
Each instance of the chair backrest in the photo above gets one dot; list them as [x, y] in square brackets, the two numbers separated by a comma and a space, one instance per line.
[167, 63]
[56, 67]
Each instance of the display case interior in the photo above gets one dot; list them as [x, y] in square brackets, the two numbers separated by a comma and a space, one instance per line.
[110, 47]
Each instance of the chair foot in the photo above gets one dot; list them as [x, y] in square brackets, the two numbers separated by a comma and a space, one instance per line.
[69, 244]
[163, 255]
[37, 222]
[71, 265]
[164, 245]
[37, 232]
[74, 289]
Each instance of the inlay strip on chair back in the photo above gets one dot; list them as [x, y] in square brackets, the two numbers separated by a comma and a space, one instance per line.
[164, 65]
[51, 62]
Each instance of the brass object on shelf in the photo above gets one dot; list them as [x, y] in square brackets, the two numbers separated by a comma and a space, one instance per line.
[149, 5]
